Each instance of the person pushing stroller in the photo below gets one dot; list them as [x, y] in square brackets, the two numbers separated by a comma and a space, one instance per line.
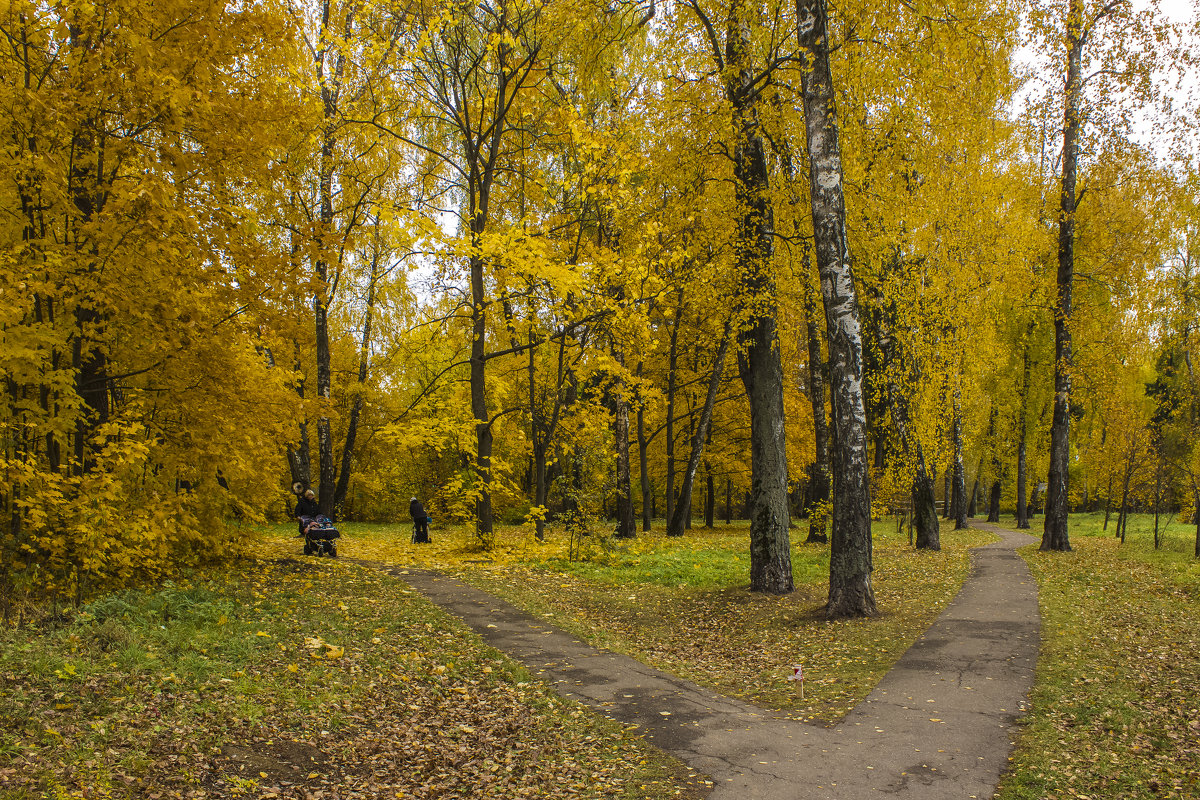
[317, 529]
[420, 521]
[306, 509]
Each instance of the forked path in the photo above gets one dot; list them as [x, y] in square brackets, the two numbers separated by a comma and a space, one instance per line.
[938, 725]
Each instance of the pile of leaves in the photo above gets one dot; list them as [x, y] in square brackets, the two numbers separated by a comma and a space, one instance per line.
[682, 605]
[297, 679]
[1115, 711]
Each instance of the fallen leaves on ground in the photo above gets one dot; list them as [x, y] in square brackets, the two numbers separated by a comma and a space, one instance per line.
[1114, 712]
[681, 604]
[313, 679]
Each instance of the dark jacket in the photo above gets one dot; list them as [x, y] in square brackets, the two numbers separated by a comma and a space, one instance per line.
[416, 510]
[306, 508]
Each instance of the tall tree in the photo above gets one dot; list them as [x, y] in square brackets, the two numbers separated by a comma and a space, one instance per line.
[471, 68]
[677, 521]
[958, 502]
[759, 362]
[1054, 533]
[850, 565]
[819, 480]
[898, 376]
[139, 300]
[1111, 49]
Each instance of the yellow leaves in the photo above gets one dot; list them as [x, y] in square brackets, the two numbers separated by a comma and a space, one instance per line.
[68, 672]
[319, 648]
[145, 273]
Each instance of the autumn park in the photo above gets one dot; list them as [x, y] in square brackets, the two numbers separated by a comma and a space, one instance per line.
[698, 399]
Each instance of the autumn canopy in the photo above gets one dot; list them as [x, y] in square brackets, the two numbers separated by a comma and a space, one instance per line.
[545, 263]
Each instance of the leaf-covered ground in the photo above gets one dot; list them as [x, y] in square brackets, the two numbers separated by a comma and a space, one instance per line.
[311, 678]
[298, 678]
[683, 605]
[1116, 705]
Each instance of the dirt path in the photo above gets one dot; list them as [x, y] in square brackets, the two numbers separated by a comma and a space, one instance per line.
[938, 725]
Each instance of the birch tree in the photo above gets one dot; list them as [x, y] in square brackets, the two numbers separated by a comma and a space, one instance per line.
[1107, 52]
[850, 565]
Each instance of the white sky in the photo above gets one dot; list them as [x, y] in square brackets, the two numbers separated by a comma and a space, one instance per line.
[1150, 128]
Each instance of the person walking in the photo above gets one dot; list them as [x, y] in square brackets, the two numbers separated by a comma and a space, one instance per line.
[420, 522]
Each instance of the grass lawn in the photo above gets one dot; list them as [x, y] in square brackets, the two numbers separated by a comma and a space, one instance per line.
[299, 678]
[292, 677]
[1116, 706]
[682, 604]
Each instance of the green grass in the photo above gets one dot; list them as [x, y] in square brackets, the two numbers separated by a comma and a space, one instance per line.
[1114, 711]
[700, 560]
[285, 678]
[222, 686]
[1175, 536]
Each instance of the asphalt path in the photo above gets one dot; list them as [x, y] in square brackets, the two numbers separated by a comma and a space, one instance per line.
[939, 725]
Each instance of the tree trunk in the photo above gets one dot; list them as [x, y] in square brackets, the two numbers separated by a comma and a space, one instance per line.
[299, 459]
[960, 477]
[678, 521]
[758, 355]
[818, 494]
[343, 479]
[1022, 507]
[1108, 502]
[330, 80]
[88, 187]
[850, 563]
[1054, 535]
[626, 528]
[922, 493]
[479, 406]
[1123, 515]
[542, 428]
[924, 512]
[539, 441]
[672, 381]
[1157, 497]
[644, 467]
[972, 504]
[685, 508]
[997, 470]
[325, 461]
[300, 456]
[991, 444]
[710, 500]
[994, 503]
[91, 383]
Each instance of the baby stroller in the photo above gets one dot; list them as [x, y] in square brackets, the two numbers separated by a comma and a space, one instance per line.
[319, 535]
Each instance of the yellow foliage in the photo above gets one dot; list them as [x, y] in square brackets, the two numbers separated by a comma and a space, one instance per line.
[140, 409]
